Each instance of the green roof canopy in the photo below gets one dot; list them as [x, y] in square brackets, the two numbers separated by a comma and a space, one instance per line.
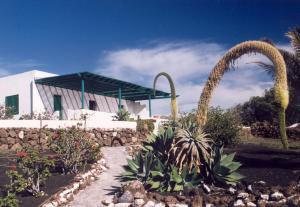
[102, 85]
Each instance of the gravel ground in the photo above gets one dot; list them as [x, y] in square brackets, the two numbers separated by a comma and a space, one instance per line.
[103, 189]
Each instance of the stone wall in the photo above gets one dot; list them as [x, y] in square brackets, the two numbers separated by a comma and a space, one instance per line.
[14, 138]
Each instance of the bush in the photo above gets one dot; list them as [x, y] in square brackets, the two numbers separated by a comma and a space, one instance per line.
[223, 126]
[9, 200]
[265, 130]
[145, 125]
[74, 149]
[122, 115]
[35, 169]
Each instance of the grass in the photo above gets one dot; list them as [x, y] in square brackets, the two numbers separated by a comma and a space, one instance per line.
[269, 142]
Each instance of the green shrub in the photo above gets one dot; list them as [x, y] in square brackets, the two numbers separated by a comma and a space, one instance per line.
[223, 126]
[74, 149]
[145, 125]
[35, 169]
[122, 115]
[9, 200]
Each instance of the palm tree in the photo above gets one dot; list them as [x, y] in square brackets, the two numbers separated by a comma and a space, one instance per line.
[173, 93]
[280, 86]
[292, 60]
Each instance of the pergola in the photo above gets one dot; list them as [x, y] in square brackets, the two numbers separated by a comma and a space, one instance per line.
[101, 85]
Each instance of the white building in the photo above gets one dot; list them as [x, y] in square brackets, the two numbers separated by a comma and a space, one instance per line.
[69, 96]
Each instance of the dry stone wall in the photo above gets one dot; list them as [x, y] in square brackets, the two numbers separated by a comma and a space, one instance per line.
[14, 138]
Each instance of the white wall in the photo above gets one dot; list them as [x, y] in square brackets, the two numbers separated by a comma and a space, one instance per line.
[55, 124]
[20, 84]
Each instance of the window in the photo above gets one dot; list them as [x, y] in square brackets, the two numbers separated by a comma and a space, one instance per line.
[92, 105]
[57, 105]
[12, 102]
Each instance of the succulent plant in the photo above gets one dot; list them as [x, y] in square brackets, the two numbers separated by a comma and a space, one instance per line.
[192, 148]
[224, 169]
[159, 144]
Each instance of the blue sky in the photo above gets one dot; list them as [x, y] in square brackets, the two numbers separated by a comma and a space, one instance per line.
[133, 40]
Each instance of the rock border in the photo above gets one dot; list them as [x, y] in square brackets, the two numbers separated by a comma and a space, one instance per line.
[81, 181]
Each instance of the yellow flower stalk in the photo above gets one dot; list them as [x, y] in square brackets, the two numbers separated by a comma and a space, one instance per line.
[173, 93]
[280, 86]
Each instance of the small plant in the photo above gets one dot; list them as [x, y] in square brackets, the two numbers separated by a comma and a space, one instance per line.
[9, 200]
[16, 185]
[74, 149]
[6, 112]
[145, 125]
[35, 169]
[122, 115]
[224, 168]
[38, 116]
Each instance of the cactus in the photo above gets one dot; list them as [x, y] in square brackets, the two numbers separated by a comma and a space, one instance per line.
[173, 93]
[280, 86]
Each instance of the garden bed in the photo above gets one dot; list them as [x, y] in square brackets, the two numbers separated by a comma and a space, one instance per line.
[55, 183]
[272, 179]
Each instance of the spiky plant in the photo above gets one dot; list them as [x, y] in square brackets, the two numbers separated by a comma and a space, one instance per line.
[191, 148]
[224, 65]
[174, 108]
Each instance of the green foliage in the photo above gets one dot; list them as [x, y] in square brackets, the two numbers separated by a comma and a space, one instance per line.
[9, 200]
[17, 183]
[223, 126]
[35, 169]
[122, 115]
[159, 144]
[171, 161]
[145, 125]
[224, 168]
[74, 149]
[158, 176]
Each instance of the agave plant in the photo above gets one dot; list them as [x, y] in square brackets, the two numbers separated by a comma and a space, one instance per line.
[159, 144]
[173, 93]
[280, 86]
[171, 179]
[191, 148]
[224, 168]
[140, 167]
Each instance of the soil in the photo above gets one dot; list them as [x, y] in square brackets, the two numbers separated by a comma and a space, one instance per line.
[274, 166]
[52, 185]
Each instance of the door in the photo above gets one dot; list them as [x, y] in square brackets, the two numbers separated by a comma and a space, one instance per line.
[57, 105]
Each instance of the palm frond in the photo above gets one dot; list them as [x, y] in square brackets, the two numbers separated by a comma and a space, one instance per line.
[294, 36]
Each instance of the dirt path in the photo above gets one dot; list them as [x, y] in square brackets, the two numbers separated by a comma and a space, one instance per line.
[102, 188]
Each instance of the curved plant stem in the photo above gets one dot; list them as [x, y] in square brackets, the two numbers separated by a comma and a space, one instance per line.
[173, 93]
[224, 65]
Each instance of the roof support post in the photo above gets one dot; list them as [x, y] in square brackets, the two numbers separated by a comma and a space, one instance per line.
[82, 93]
[150, 110]
[120, 99]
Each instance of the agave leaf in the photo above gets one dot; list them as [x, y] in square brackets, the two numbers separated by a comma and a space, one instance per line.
[227, 158]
